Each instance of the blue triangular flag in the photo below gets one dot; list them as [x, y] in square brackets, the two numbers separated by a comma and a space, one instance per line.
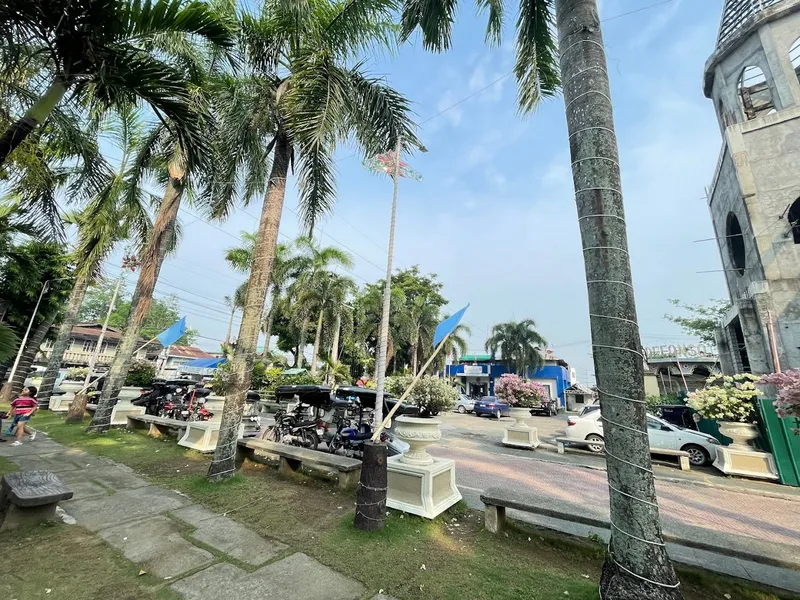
[447, 326]
[172, 333]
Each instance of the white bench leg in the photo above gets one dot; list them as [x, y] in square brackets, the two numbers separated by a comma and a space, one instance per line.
[684, 463]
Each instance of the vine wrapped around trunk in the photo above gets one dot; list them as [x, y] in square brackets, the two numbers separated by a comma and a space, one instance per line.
[637, 565]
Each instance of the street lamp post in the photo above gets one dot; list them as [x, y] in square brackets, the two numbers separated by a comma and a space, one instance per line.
[45, 287]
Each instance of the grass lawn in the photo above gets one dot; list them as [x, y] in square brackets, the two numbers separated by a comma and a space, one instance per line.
[449, 558]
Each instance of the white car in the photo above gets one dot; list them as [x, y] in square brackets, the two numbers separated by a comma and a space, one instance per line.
[702, 448]
[465, 404]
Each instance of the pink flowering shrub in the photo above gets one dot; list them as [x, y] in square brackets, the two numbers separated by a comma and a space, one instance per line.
[787, 403]
[520, 393]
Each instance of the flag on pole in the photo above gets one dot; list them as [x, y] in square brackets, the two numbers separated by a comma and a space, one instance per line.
[447, 326]
[386, 163]
[172, 333]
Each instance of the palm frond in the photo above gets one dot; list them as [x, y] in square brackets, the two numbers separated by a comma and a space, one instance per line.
[152, 17]
[435, 19]
[9, 343]
[357, 26]
[536, 67]
[494, 24]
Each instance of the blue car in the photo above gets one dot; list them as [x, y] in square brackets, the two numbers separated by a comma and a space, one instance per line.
[493, 406]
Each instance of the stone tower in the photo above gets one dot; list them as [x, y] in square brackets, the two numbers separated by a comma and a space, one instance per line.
[753, 78]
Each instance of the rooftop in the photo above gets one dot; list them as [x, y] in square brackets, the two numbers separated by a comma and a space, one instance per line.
[188, 352]
[735, 14]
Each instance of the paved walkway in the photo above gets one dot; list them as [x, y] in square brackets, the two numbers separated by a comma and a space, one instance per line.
[203, 555]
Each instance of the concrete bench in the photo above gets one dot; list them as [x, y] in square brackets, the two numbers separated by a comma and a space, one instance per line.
[292, 458]
[123, 409]
[497, 500]
[203, 435]
[561, 441]
[29, 498]
[157, 426]
[683, 457]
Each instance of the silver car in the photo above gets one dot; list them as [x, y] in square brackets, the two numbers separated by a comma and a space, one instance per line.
[465, 404]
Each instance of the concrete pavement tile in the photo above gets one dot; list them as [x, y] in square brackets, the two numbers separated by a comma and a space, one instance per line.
[194, 514]
[112, 477]
[297, 577]
[86, 489]
[237, 541]
[127, 505]
[38, 446]
[157, 546]
[44, 462]
[786, 579]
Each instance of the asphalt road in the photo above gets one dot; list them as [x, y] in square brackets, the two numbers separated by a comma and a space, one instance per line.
[764, 512]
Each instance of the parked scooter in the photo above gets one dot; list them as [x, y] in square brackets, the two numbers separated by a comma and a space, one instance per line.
[162, 392]
[293, 429]
[351, 431]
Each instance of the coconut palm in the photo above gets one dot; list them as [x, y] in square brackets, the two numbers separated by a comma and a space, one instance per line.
[330, 292]
[105, 52]
[317, 94]
[637, 565]
[520, 345]
[118, 212]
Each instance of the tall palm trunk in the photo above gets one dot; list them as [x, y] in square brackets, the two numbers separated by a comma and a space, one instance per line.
[335, 342]
[230, 327]
[301, 343]
[64, 335]
[317, 342]
[414, 356]
[34, 116]
[163, 229]
[12, 388]
[270, 319]
[637, 565]
[223, 464]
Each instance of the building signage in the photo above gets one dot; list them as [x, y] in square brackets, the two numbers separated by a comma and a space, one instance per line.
[690, 351]
[473, 369]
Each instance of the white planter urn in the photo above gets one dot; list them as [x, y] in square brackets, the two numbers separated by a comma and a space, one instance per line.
[520, 415]
[742, 434]
[418, 433]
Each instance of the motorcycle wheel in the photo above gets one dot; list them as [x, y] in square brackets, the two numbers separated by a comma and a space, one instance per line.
[271, 434]
[310, 439]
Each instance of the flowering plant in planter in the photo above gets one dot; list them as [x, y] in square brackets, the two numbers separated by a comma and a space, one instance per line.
[432, 394]
[787, 404]
[520, 393]
[728, 398]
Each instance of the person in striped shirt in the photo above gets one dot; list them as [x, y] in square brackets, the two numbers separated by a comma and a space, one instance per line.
[23, 408]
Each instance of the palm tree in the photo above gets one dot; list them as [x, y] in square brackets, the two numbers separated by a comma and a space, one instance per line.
[456, 344]
[330, 291]
[106, 53]
[422, 320]
[637, 565]
[304, 55]
[519, 343]
[235, 303]
[118, 212]
[164, 153]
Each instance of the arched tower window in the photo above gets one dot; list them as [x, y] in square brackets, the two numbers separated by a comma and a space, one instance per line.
[794, 220]
[794, 57]
[754, 93]
[735, 241]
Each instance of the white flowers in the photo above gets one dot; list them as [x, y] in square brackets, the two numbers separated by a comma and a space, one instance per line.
[728, 398]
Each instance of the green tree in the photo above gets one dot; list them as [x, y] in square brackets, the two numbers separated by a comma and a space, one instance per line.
[319, 98]
[703, 320]
[637, 565]
[520, 345]
[107, 53]
[117, 212]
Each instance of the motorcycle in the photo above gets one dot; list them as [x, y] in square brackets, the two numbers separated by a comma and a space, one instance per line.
[293, 429]
[351, 431]
[161, 394]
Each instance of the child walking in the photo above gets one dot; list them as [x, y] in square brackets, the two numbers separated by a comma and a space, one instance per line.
[23, 408]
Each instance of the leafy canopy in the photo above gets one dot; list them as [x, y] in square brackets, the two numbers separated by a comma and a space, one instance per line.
[702, 320]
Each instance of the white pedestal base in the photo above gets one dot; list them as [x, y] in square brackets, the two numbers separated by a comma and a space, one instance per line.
[203, 435]
[746, 463]
[426, 490]
[521, 437]
[61, 402]
[122, 409]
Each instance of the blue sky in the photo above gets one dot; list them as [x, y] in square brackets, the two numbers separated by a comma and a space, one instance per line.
[495, 216]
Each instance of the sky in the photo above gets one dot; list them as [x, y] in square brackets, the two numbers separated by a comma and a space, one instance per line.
[494, 216]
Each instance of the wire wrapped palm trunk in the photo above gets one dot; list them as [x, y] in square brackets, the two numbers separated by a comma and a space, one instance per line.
[223, 466]
[12, 388]
[637, 565]
[163, 230]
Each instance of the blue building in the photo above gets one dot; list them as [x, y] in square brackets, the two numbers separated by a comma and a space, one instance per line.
[477, 374]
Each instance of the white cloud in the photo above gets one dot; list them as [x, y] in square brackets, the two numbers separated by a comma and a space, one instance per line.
[656, 24]
[454, 113]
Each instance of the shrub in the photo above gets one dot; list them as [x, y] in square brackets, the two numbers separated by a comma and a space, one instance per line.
[787, 404]
[727, 398]
[520, 393]
[141, 373]
[264, 379]
[432, 394]
[76, 373]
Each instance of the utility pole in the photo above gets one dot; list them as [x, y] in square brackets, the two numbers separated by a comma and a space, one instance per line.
[96, 353]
